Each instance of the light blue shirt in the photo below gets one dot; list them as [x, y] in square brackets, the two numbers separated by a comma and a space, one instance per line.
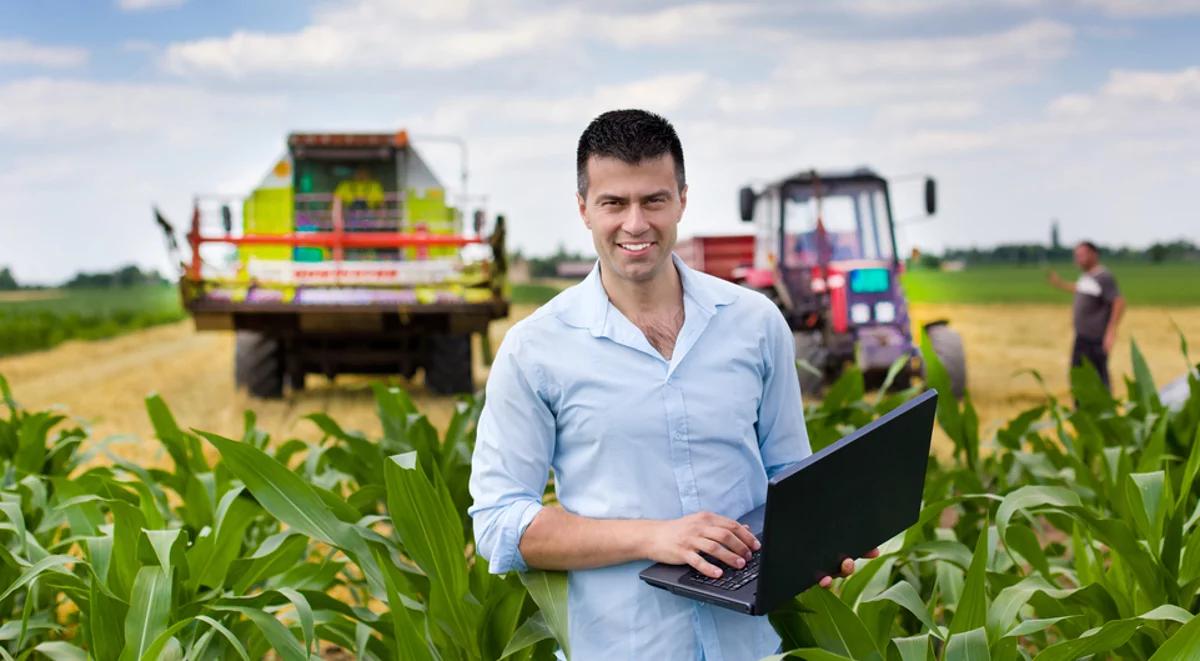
[631, 435]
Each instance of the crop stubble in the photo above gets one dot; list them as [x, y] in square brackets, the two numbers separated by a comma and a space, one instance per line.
[103, 382]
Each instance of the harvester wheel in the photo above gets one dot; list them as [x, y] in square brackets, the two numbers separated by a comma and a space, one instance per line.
[258, 364]
[448, 364]
[948, 346]
[811, 350]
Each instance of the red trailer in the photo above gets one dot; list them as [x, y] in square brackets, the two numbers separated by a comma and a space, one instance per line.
[721, 256]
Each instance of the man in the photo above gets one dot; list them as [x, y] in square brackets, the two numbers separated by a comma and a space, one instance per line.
[662, 398]
[1097, 310]
[361, 192]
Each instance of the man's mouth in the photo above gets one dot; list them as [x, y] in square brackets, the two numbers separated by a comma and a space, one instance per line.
[635, 247]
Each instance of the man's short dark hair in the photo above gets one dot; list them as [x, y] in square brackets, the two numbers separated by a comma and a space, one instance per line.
[632, 136]
[1090, 246]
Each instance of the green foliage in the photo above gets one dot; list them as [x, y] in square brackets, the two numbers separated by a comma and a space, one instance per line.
[1074, 531]
[50, 317]
[357, 542]
[1084, 520]
[1142, 283]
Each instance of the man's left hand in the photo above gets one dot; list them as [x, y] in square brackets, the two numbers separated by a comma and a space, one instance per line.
[1110, 340]
[847, 569]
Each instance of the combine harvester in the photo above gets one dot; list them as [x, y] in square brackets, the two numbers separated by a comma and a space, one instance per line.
[345, 259]
[824, 249]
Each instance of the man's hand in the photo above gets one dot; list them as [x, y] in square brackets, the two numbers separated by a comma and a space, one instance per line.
[1054, 278]
[847, 569]
[1110, 339]
[681, 541]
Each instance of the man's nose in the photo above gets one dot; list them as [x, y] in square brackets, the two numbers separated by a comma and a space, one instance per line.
[635, 221]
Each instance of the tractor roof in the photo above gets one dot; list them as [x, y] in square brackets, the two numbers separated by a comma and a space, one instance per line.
[807, 177]
[396, 139]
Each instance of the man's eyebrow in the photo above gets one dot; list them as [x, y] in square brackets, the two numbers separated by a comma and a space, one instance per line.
[606, 197]
[662, 192]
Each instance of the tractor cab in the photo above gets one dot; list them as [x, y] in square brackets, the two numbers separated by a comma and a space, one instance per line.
[825, 251]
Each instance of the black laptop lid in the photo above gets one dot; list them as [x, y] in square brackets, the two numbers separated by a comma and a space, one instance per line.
[860, 491]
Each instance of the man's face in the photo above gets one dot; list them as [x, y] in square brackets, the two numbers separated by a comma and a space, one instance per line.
[1085, 259]
[632, 212]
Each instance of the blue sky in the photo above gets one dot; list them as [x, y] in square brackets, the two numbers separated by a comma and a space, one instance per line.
[1081, 110]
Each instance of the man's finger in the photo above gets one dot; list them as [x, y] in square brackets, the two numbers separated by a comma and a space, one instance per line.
[703, 566]
[847, 567]
[716, 550]
[729, 540]
[743, 533]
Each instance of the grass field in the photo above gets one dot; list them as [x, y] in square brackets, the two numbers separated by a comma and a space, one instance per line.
[33, 320]
[1172, 284]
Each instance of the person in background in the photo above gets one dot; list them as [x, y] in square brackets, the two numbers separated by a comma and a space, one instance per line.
[361, 192]
[1097, 310]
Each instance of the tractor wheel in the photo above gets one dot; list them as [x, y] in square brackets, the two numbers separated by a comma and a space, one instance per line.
[448, 364]
[258, 364]
[810, 350]
[948, 346]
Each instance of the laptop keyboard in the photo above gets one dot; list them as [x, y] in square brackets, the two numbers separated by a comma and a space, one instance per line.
[731, 578]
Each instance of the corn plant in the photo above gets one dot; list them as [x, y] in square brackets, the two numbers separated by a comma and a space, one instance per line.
[346, 541]
[1072, 533]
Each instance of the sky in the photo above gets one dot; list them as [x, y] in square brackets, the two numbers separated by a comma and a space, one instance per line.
[1084, 111]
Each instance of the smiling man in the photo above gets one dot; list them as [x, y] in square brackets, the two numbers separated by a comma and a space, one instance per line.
[662, 398]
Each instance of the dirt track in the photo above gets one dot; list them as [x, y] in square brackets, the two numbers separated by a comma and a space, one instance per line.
[104, 382]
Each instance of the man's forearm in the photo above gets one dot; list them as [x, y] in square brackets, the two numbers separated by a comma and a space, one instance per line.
[557, 539]
[1117, 311]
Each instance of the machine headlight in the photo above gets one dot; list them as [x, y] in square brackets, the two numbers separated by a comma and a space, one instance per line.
[860, 313]
[885, 312]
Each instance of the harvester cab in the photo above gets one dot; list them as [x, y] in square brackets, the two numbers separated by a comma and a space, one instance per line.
[825, 251]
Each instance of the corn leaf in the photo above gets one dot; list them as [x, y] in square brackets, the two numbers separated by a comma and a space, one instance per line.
[430, 529]
[549, 592]
[971, 612]
[836, 627]
[968, 646]
[1184, 644]
[149, 611]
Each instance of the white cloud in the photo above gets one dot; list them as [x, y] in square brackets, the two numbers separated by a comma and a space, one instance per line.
[954, 73]
[57, 110]
[22, 51]
[143, 5]
[1164, 87]
[376, 35]
[1143, 8]
[1116, 8]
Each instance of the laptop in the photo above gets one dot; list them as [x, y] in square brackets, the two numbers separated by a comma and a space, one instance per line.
[839, 503]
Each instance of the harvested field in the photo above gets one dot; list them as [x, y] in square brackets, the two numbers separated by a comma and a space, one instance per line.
[103, 382]
[30, 295]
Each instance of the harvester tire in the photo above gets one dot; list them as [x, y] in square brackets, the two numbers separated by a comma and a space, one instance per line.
[448, 364]
[258, 364]
[811, 350]
[948, 346]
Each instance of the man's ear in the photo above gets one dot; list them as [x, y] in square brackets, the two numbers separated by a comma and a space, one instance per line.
[583, 210]
[683, 199]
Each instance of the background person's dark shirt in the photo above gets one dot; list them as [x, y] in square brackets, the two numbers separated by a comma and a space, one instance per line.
[1094, 296]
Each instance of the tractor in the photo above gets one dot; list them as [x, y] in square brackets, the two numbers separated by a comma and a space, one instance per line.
[824, 249]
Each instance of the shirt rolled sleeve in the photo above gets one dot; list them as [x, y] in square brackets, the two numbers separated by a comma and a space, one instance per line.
[782, 436]
[514, 444]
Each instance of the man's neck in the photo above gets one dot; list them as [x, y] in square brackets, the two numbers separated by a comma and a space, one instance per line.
[661, 295]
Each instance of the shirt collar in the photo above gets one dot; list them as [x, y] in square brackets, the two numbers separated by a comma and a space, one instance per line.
[590, 309]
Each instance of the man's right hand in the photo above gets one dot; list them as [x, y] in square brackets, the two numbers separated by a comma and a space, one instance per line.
[681, 541]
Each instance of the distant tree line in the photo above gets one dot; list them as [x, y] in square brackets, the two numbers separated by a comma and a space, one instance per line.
[547, 267]
[7, 281]
[125, 276]
[1036, 253]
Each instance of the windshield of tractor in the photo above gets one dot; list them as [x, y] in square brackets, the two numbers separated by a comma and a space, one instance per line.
[844, 222]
